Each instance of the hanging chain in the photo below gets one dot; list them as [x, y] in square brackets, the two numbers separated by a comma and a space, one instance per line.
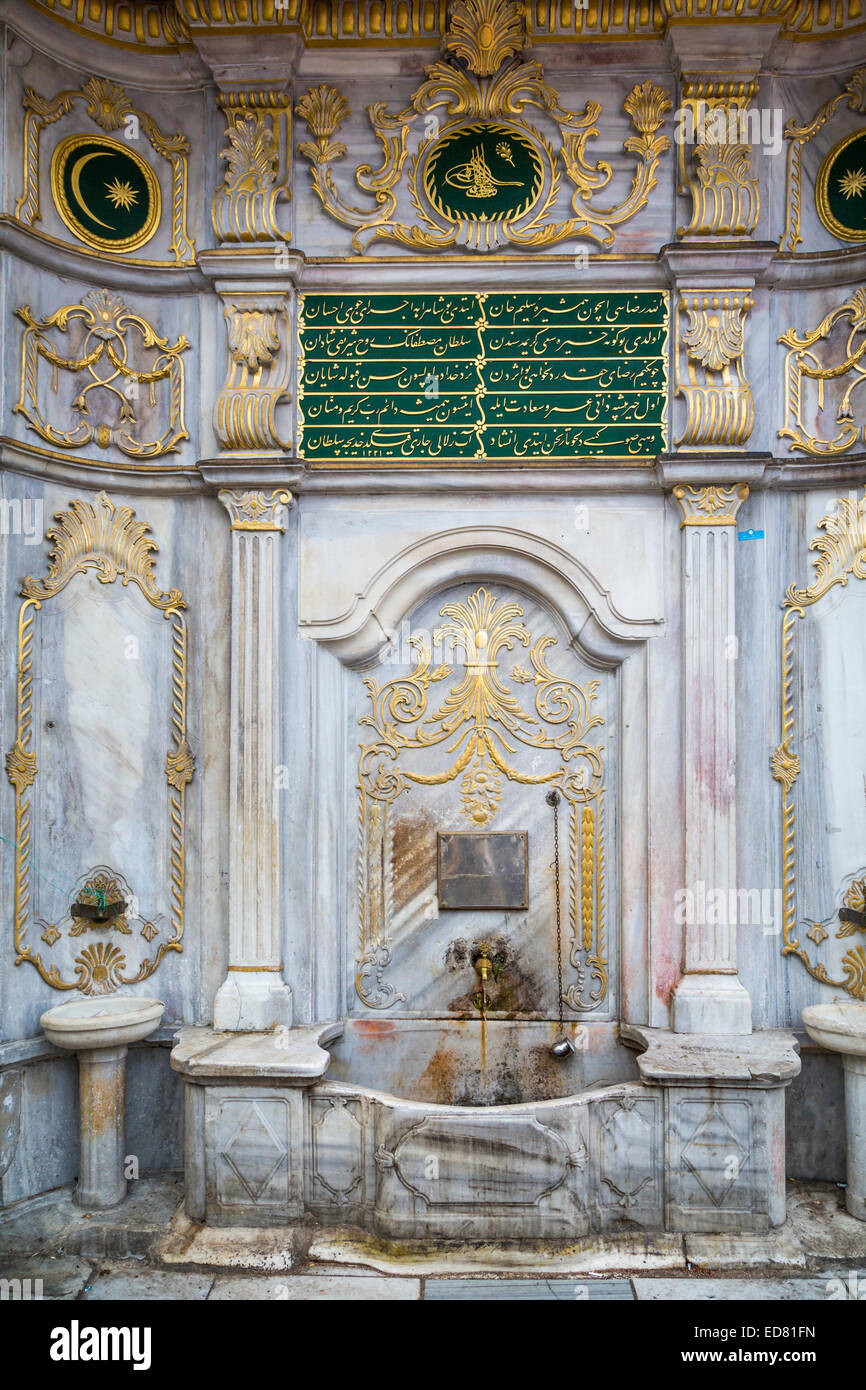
[553, 800]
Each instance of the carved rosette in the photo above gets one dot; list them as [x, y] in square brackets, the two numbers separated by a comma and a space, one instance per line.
[710, 368]
[257, 376]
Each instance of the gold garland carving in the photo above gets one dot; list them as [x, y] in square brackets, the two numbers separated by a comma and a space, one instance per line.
[803, 363]
[108, 324]
[98, 536]
[108, 106]
[468, 100]
[482, 721]
[841, 553]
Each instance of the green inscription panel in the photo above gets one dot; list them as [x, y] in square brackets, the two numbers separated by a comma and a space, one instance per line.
[400, 379]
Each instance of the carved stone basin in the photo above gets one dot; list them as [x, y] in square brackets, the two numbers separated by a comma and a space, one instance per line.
[838, 1027]
[841, 1027]
[100, 1031]
[91, 1024]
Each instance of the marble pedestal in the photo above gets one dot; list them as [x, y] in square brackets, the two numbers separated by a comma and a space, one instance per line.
[100, 1031]
[841, 1027]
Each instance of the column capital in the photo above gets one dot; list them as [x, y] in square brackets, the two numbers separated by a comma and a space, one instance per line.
[252, 510]
[710, 505]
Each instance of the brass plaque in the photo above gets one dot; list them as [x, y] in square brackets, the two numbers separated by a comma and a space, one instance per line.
[483, 871]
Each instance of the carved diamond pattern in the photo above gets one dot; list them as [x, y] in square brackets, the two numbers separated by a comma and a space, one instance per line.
[708, 1155]
[254, 1153]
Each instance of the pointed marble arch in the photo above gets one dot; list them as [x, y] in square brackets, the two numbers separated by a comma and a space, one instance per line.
[446, 557]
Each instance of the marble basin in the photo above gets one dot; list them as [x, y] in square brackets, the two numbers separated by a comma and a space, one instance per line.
[838, 1027]
[100, 1031]
[88, 1024]
[841, 1027]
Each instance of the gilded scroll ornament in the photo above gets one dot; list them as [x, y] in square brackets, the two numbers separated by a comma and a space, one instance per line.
[126, 217]
[724, 193]
[107, 540]
[257, 378]
[255, 181]
[479, 724]
[107, 341]
[799, 136]
[484, 176]
[804, 365]
[717, 392]
[841, 555]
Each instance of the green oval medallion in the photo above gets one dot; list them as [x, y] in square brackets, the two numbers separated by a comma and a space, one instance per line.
[483, 173]
[107, 195]
[840, 193]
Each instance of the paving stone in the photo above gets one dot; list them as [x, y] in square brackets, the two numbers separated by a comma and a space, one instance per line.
[347, 1288]
[547, 1290]
[137, 1282]
[818, 1217]
[726, 1290]
[226, 1247]
[60, 1278]
[780, 1247]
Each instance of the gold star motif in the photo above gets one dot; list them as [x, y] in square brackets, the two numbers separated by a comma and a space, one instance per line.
[853, 183]
[122, 195]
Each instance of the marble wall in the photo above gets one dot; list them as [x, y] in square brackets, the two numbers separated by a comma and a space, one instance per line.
[594, 558]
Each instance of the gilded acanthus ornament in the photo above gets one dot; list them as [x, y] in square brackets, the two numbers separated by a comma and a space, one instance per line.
[480, 724]
[803, 366]
[841, 555]
[111, 376]
[244, 206]
[711, 377]
[724, 192]
[107, 540]
[257, 378]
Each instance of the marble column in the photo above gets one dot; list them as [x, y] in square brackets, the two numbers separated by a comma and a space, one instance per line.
[254, 996]
[710, 997]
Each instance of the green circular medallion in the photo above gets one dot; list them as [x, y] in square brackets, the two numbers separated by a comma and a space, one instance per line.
[483, 173]
[840, 193]
[107, 195]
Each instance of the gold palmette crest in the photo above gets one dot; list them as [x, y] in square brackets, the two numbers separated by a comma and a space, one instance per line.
[496, 103]
[841, 555]
[480, 723]
[107, 540]
[485, 33]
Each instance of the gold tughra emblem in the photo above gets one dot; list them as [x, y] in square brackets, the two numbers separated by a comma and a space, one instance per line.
[475, 179]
